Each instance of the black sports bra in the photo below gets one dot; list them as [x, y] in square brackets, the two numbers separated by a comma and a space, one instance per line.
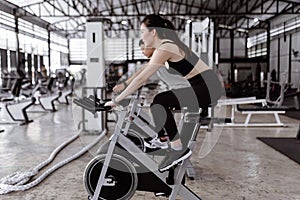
[183, 66]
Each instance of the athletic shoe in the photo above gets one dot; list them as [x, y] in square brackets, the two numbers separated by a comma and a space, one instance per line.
[155, 143]
[155, 152]
[173, 158]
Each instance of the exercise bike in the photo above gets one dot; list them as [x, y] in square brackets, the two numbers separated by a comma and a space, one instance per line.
[121, 167]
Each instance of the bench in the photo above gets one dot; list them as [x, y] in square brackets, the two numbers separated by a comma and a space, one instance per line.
[250, 111]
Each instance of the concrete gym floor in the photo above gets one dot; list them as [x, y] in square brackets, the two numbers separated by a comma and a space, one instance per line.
[238, 167]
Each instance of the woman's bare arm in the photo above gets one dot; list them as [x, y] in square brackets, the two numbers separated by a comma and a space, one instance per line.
[157, 60]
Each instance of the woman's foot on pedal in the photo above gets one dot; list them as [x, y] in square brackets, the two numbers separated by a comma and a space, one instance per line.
[173, 158]
[156, 143]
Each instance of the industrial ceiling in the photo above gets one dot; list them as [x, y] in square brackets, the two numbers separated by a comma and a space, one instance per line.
[68, 17]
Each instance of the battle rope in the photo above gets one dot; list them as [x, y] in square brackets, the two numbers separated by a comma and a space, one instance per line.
[16, 181]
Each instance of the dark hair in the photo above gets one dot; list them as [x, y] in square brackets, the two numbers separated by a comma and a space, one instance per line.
[169, 24]
[141, 42]
[165, 30]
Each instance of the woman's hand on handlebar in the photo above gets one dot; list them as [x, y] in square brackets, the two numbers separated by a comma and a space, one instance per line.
[111, 104]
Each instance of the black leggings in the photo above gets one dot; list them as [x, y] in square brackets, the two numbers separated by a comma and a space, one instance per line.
[205, 89]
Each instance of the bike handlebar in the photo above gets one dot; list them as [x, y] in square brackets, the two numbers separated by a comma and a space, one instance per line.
[92, 104]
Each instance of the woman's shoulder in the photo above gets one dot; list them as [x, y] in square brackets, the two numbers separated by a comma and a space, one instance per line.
[166, 44]
[169, 45]
[167, 41]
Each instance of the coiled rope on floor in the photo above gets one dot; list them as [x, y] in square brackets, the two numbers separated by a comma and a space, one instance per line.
[16, 181]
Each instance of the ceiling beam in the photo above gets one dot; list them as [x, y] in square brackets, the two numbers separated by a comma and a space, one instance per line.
[35, 3]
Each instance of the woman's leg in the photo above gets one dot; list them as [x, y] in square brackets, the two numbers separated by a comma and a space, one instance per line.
[162, 116]
[204, 91]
